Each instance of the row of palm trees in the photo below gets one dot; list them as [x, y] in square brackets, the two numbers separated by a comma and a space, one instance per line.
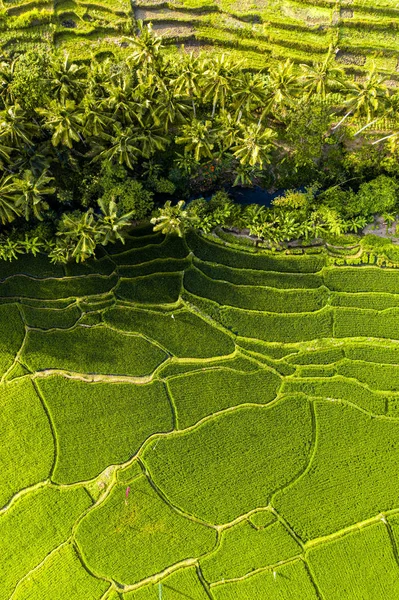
[274, 225]
[193, 110]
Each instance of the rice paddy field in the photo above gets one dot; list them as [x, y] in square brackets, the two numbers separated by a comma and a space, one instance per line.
[185, 420]
[360, 32]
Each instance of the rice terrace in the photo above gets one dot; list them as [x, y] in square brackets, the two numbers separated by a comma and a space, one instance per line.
[199, 300]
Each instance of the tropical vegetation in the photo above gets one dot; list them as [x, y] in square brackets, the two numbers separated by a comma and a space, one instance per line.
[87, 149]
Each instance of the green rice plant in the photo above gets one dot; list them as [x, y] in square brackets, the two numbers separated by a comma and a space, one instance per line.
[36, 266]
[61, 576]
[47, 318]
[171, 247]
[234, 462]
[262, 518]
[207, 251]
[283, 581]
[20, 286]
[27, 448]
[357, 322]
[159, 288]
[263, 278]
[142, 525]
[376, 376]
[159, 265]
[244, 549]
[338, 388]
[101, 266]
[317, 357]
[359, 565]
[127, 474]
[182, 582]
[180, 332]
[275, 351]
[254, 297]
[202, 393]
[366, 279]
[273, 327]
[28, 534]
[377, 353]
[239, 363]
[373, 300]
[93, 432]
[316, 371]
[82, 349]
[135, 241]
[12, 335]
[350, 480]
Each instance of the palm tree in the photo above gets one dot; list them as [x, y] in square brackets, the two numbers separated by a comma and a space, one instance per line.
[32, 245]
[246, 175]
[218, 80]
[9, 208]
[118, 101]
[283, 86]
[111, 223]
[68, 81]
[188, 81]
[94, 118]
[171, 219]
[171, 109]
[16, 129]
[321, 77]
[389, 219]
[80, 232]
[254, 145]
[365, 98]
[31, 191]
[199, 138]
[123, 146]
[152, 140]
[146, 48]
[251, 93]
[355, 224]
[64, 121]
[6, 77]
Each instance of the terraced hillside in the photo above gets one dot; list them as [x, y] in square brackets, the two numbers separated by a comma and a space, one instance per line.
[361, 33]
[81, 28]
[181, 420]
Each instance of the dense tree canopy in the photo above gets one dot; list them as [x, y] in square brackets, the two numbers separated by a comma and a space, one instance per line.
[84, 147]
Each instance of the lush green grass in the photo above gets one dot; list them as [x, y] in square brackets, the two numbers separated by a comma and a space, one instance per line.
[272, 327]
[48, 318]
[254, 297]
[181, 333]
[160, 288]
[227, 465]
[27, 445]
[374, 576]
[33, 527]
[205, 392]
[283, 582]
[91, 350]
[244, 549]
[269, 397]
[177, 584]
[352, 476]
[62, 576]
[12, 335]
[94, 432]
[131, 538]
